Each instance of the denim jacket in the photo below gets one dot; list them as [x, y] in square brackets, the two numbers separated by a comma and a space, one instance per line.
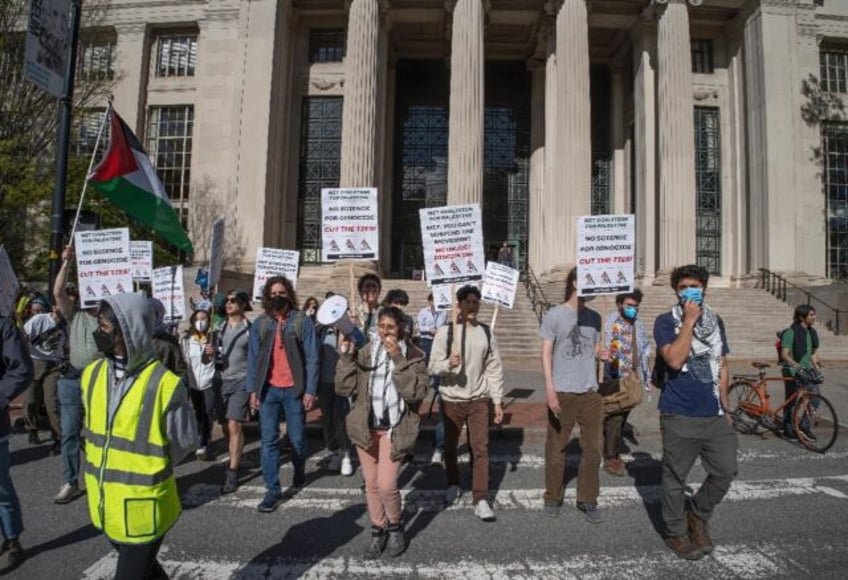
[303, 354]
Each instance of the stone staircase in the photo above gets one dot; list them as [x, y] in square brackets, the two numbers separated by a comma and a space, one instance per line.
[751, 316]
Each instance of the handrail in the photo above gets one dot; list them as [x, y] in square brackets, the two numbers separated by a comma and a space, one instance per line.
[534, 291]
[777, 285]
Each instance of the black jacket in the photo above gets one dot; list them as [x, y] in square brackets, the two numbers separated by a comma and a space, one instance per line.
[15, 369]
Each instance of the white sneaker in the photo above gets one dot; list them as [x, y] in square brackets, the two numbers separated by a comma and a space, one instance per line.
[200, 454]
[453, 493]
[437, 456]
[484, 511]
[347, 466]
[334, 462]
[67, 493]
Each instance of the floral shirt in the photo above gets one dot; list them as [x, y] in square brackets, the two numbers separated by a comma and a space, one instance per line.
[618, 339]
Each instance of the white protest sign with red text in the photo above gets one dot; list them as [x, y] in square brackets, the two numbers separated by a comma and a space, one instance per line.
[104, 267]
[349, 228]
[274, 262]
[452, 239]
[605, 254]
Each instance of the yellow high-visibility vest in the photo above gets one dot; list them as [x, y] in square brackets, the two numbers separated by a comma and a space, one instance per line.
[129, 479]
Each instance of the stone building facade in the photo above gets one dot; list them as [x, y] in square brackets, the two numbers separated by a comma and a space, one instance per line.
[718, 123]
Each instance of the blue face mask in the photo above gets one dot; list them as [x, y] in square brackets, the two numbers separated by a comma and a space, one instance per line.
[696, 295]
[630, 312]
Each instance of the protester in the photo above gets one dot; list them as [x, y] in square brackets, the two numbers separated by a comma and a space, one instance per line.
[310, 307]
[138, 426]
[47, 334]
[571, 335]
[471, 373]
[400, 300]
[429, 321]
[369, 286]
[692, 347]
[166, 346]
[199, 356]
[799, 345]
[83, 351]
[282, 377]
[231, 340]
[505, 257]
[16, 373]
[334, 408]
[624, 336]
[387, 379]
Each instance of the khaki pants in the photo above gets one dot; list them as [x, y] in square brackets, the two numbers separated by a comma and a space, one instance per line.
[586, 410]
[381, 480]
[476, 415]
[44, 387]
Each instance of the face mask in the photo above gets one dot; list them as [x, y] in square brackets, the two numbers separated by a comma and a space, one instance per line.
[630, 312]
[280, 303]
[201, 325]
[696, 295]
[105, 342]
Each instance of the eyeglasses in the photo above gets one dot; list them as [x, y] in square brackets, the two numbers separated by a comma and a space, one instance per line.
[232, 300]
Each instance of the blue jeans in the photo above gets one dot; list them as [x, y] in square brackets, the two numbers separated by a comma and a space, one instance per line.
[10, 508]
[70, 419]
[275, 403]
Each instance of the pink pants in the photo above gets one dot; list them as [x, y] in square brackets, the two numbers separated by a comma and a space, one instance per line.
[381, 475]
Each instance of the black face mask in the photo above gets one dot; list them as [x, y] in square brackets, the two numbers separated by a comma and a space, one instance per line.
[280, 303]
[105, 341]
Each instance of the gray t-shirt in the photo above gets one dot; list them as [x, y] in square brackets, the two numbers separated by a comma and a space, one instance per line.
[575, 332]
[232, 342]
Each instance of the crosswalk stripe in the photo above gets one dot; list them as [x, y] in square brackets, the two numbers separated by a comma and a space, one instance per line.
[741, 560]
[434, 500]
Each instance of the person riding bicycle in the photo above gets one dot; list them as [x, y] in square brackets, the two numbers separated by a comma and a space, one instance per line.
[798, 352]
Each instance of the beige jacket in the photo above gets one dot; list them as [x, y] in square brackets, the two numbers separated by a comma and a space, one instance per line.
[479, 375]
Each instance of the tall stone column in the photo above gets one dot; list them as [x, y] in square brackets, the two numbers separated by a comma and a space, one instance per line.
[676, 137]
[465, 143]
[621, 203]
[537, 161]
[131, 46]
[359, 113]
[645, 128]
[573, 185]
[547, 230]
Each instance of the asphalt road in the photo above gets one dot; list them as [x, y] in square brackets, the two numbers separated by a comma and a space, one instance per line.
[785, 517]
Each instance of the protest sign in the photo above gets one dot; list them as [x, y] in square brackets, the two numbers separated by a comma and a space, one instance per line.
[349, 224]
[605, 253]
[442, 296]
[500, 284]
[216, 252]
[46, 47]
[141, 258]
[8, 285]
[452, 238]
[168, 288]
[274, 262]
[104, 267]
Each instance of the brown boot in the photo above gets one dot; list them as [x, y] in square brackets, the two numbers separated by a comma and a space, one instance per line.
[684, 548]
[699, 531]
[615, 467]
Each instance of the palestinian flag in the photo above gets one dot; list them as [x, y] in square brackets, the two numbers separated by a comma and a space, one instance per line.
[128, 179]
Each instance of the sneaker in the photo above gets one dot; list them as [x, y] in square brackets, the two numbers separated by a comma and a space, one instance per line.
[270, 502]
[33, 438]
[377, 543]
[200, 454]
[453, 493]
[551, 510]
[299, 479]
[437, 456]
[484, 511]
[67, 493]
[684, 548]
[55, 447]
[347, 466]
[591, 511]
[396, 544]
[231, 481]
[11, 556]
[790, 434]
[615, 467]
[699, 533]
[333, 462]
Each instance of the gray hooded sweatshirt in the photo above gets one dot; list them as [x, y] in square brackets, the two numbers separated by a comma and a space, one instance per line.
[136, 322]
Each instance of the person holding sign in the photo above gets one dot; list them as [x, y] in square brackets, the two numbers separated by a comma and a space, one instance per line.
[571, 347]
[471, 373]
[196, 346]
[387, 379]
[282, 376]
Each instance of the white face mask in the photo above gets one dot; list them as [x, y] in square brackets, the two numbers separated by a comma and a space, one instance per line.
[201, 325]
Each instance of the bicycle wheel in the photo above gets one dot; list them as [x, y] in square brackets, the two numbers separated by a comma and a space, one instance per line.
[745, 406]
[815, 422]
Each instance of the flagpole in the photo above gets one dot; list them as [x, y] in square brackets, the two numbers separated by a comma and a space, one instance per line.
[90, 167]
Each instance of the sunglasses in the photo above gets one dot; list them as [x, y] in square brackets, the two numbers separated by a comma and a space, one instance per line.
[232, 300]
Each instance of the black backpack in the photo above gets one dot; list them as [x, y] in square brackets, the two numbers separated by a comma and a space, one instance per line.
[486, 329]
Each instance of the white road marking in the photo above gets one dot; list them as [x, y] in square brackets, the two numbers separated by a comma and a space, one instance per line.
[430, 500]
[748, 561]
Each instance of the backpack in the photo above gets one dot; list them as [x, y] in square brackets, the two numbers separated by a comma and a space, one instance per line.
[486, 329]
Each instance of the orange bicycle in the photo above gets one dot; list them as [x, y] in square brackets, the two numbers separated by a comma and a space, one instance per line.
[813, 417]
